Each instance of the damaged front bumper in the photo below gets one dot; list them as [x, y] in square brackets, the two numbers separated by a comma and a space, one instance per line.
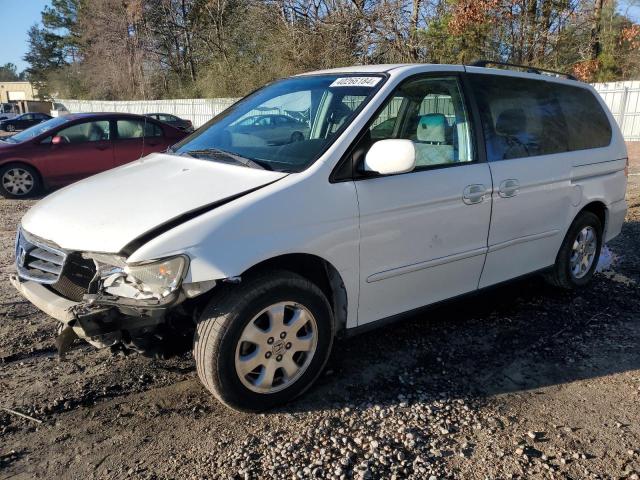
[102, 299]
[101, 325]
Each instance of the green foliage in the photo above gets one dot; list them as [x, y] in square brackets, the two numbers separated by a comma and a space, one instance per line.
[131, 49]
[9, 73]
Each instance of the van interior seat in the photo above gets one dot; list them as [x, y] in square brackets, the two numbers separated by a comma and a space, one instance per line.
[433, 144]
[509, 127]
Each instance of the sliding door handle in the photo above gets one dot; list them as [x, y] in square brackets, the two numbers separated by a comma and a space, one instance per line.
[509, 188]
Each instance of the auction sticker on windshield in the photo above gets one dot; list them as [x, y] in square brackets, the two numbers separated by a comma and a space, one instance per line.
[355, 82]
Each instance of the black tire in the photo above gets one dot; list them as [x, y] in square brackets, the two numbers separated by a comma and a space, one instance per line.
[9, 190]
[10, 128]
[561, 275]
[223, 321]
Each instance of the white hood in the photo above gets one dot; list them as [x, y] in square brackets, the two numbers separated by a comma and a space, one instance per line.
[105, 212]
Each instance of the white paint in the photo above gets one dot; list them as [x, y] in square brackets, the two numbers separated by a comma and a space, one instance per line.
[418, 225]
[105, 212]
[392, 156]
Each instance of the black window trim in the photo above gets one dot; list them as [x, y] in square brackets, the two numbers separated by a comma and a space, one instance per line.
[343, 172]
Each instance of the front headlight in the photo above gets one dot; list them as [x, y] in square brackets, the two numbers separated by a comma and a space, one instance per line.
[153, 280]
[158, 278]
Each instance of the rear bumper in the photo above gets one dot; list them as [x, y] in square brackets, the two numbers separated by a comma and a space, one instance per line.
[617, 213]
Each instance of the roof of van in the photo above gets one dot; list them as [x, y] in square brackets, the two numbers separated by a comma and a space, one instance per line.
[361, 68]
[384, 68]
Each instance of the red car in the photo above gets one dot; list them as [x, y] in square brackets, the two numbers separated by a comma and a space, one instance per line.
[65, 149]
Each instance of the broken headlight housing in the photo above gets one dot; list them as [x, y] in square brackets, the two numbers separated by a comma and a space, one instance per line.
[146, 281]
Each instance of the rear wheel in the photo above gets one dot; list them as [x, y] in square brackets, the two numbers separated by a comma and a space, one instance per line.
[578, 256]
[19, 181]
[264, 342]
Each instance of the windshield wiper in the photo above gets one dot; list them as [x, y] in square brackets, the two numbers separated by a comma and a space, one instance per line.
[222, 155]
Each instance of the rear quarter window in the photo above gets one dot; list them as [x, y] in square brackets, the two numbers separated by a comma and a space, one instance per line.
[587, 124]
[520, 117]
[137, 129]
[524, 117]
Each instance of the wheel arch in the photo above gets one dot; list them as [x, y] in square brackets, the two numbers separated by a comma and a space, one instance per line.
[599, 209]
[317, 270]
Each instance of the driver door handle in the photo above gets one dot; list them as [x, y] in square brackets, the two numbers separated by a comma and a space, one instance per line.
[509, 188]
[474, 194]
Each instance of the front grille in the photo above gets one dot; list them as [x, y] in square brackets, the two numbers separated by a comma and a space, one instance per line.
[65, 272]
[76, 276]
[38, 261]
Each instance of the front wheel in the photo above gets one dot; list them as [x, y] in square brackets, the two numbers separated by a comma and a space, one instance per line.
[264, 342]
[10, 128]
[19, 181]
[578, 256]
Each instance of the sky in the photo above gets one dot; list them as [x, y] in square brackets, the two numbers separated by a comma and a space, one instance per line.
[17, 17]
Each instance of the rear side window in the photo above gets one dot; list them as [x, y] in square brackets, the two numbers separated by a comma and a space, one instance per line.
[587, 123]
[520, 117]
[525, 118]
[137, 129]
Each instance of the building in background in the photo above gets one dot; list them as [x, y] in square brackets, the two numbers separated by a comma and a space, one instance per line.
[16, 91]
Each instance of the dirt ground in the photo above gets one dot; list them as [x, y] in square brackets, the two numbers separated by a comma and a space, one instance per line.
[522, 381]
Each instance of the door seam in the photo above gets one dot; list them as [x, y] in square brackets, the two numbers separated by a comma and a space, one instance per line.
[484, 263]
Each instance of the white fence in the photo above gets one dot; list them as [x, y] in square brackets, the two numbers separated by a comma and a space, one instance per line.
[198, 110]
[623, 99]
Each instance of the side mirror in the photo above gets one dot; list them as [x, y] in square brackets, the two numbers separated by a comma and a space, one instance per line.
[391, 156]
[57, 140]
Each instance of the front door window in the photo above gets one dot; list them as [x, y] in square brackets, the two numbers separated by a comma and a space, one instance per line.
[86, 132]
[431, 113]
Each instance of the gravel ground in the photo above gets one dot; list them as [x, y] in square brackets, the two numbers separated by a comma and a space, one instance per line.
[522, 381]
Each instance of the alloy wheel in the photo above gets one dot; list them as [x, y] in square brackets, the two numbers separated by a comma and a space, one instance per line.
[583, 252]
[276, 347]
[18, 181]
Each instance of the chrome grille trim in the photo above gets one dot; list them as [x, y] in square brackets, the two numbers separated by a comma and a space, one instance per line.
[38, 261]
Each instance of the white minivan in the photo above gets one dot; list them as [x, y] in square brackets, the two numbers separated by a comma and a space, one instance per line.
[399, 186]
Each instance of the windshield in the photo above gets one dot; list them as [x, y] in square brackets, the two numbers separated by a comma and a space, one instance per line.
[286, 125]
[36, 130]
